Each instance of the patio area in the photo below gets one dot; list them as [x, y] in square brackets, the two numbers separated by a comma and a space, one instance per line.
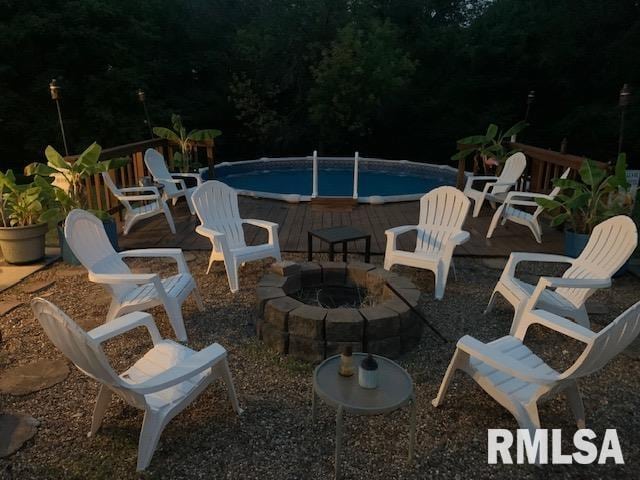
[296, 219]
[275, 438]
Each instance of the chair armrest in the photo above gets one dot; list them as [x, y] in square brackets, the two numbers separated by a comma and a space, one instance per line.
[395, 231]
[516, 257]
[556, 282]
[183, 370]
[119, 278]
[522, 203]
[260, 223]
[135, 198]
[460, 237]
[474, 178]
[209, 232]
[512, 195]
[174, 253]
[197, 176]
[123, 324]
[504, 363]
[149, 188]
[271, 227]
[556, 323]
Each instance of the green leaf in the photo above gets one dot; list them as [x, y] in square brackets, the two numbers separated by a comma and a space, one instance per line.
[559, 219]
[55, 159]
[166, 133]
[492, 131]
[202, 135]
[548, 204]
[591, 174]
[567, 183]
[462, 154]
[39, 169]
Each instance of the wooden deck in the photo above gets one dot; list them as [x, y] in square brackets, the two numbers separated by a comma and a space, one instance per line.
[296, 219]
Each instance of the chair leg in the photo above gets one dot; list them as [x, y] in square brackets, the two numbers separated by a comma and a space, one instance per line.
[453, 267]
[492, 302]
[388, 262]
[187, 197]
[441, 274]
[167, 214]
[535, 229]
[114, 307]
[100, 408]
[211, 260]
[575, 402]
[198, 298]
[232, 275]
[174, 312]
[477, 206]
[152, 427]
[517, 318]
[495, 220]
[225, 374]
[128, 223]
[457, 361]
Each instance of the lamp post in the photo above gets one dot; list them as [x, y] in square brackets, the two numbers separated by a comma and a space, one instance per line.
[56, 96]
[623, 102]
[530, 98]
[142, 97]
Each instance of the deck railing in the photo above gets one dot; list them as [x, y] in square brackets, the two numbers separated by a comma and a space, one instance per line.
[542, 167]
[98, 195]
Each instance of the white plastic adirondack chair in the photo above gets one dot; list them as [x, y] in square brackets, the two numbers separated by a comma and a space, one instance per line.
[216, 205]
[518, 379]
[610, 245]
[509, 210]
[162, 383]
[496, 189]
[439, 230]
[130, 292]
[151, 203]
[174, 188]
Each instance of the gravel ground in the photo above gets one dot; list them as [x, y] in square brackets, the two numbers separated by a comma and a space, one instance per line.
[275, 438]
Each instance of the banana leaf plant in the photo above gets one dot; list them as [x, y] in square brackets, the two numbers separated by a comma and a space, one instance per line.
[67, 191]
[598, 195]
[22, 205]
[186, 141]
[491, 147]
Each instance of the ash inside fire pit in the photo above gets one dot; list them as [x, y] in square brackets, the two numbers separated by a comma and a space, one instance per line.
[312, 311]
[332, 296]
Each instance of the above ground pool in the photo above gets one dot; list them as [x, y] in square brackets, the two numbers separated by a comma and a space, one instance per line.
[291, 179]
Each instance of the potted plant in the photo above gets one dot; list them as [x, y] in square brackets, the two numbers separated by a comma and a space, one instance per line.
[183, 160]
[490, 150]
[23, 229]
[68, 192]
[583, 204]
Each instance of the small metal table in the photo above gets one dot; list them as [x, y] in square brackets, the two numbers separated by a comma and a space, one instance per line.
[334, 235]
[395, 390]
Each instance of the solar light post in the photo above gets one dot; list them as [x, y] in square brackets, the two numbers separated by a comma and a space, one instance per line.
[623, 102]
[56, 96]
[142, 97]
[530, 98]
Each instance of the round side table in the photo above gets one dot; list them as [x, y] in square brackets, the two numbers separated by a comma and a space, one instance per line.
[395, 390]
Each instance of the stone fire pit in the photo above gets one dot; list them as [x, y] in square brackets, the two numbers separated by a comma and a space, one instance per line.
[312, 310]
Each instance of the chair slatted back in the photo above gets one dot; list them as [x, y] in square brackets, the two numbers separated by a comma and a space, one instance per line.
[156, 165]
[108, 181]
[610, 245]
[512, 171]
[608, 343]
[88, 240]
[74, 342]
[442, 213]
[216, 205]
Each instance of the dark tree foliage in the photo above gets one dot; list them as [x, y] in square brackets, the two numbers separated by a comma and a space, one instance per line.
[394, 78]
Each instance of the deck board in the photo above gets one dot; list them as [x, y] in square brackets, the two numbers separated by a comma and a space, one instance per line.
[296, 219]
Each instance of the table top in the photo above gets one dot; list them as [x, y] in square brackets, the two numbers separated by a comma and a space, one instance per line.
[395, 387]
[339, 234]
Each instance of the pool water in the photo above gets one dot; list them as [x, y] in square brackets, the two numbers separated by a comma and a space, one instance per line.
[336, 181]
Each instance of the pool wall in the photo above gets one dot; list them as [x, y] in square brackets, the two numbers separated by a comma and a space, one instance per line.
[283, 163]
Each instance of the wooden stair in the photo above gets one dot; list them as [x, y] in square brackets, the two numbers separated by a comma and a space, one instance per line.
[341, 204]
